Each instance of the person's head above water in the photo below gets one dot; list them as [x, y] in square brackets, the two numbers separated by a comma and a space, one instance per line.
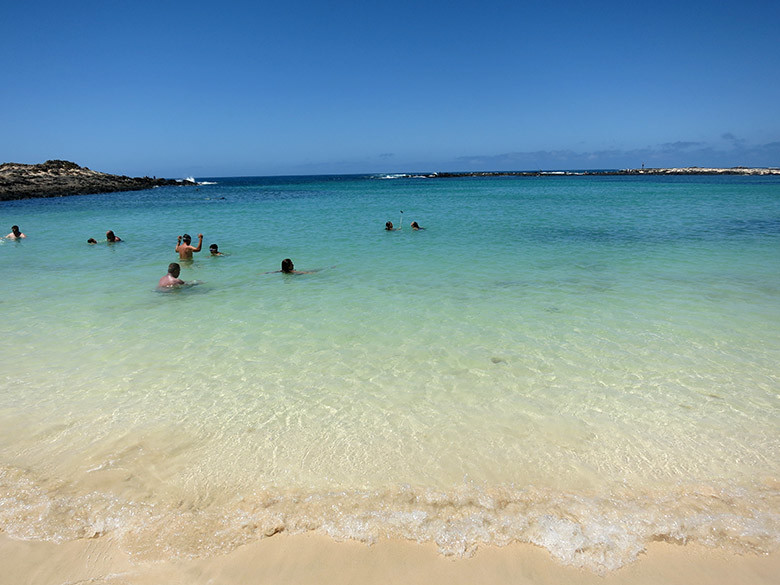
[214, 249]
[91, 241]
[186, 238]
[172, 278]
[415, 225]
[110, 236]
[389, 225]
[287, 265]
[16, 233]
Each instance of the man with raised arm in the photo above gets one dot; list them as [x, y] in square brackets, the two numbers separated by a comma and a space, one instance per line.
[184, 248]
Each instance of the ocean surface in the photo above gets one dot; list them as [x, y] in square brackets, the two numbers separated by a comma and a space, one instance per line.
[588, 364]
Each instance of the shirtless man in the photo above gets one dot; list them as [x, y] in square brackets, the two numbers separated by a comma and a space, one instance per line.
[184, 248]
[172, 278]
[15, 233]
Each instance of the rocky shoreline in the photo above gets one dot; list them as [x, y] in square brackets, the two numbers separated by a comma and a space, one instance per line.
[58, 178]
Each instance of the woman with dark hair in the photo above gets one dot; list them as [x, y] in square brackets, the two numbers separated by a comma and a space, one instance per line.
[289, 268]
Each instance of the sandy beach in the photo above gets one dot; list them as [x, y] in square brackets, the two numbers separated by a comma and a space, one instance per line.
[305, 559]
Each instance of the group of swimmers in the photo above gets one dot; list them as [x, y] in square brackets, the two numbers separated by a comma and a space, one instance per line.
[185, 249]
[171, 279]
[414, 225]
[110, 238]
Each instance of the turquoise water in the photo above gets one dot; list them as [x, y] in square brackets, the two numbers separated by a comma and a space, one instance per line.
[588, 364]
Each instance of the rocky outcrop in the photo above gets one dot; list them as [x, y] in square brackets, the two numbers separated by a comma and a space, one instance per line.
[57, 178]
[643, 171]
[702, 171]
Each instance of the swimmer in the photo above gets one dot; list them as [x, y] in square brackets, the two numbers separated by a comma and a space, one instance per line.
[289, 268]
[111, 238]
[91, 241]
[15, 233]
[172, 278]
[389, 227]
[416, 226]
[184, 248]
[214, 249]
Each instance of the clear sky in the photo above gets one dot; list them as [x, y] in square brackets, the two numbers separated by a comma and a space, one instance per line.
[171, 88]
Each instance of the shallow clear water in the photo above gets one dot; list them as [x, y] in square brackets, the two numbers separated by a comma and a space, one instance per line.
[585, 363]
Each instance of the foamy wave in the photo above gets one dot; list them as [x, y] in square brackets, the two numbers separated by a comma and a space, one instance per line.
[192, 181]
[599, 533]
[408, 176]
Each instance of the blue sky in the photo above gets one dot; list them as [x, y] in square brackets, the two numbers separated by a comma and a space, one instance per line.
[172, 89]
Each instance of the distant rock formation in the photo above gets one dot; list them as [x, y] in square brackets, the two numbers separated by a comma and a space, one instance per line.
[57, 178]
[643, 171]
[703, 171]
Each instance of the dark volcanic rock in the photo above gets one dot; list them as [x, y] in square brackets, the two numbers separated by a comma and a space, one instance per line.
[56, 178]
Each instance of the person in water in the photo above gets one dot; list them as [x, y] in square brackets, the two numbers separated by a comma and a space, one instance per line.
[111, 238]
[214, 249]
[389, 227]
[15, 234]
[91, 241]
[416, 226]
[184, 248]
[172, 278]
[289, 268]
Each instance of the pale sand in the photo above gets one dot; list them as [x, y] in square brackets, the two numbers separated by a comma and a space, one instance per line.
[312, 559]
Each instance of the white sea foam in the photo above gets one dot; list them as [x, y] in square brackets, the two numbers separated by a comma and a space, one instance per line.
[600, 532]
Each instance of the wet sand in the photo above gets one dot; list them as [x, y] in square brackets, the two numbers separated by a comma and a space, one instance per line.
[316, 559]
